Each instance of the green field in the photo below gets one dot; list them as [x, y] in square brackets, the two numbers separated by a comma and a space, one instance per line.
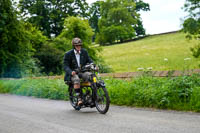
[160, 52]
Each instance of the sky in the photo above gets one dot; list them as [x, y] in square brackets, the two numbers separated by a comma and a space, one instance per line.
[164, 15]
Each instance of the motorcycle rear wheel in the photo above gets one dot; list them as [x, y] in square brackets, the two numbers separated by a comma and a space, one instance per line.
[102, 101]
[73, 99]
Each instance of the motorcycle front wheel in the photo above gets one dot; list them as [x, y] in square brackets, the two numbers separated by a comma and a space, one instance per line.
[102, 101]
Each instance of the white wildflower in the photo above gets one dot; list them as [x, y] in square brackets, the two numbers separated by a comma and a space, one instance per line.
[140, 69]
[187, 59]
[149, 68]
[165, 59]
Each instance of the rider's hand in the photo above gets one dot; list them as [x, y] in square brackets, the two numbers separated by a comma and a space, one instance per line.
[73, 73]
[96, 68]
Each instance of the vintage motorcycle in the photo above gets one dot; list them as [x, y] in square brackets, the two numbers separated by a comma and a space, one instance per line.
[93, 90]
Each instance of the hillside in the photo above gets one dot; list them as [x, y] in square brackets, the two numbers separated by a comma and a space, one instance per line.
[159, 52]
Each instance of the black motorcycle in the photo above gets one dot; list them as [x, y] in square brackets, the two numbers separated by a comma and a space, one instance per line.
[93, 90]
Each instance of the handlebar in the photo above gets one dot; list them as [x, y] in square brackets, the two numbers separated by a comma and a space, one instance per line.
[88, 68]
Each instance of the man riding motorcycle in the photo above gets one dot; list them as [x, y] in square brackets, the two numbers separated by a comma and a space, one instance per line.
[75, 59]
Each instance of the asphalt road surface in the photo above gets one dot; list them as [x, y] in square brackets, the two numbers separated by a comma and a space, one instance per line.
[20, 114]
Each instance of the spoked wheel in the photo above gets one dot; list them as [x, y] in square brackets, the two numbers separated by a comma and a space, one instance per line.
[102, 101]
[73, 99]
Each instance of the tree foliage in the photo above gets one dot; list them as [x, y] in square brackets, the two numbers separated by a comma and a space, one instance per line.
[19, 41]
[35, 36]
[116, 21]
[49, 15]
[119, 20]
[15, 46]
[94, 13]
[191, 24]
[140, 6]
[50, 59]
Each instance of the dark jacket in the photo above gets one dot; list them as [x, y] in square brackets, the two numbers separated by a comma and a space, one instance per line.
[70, 63]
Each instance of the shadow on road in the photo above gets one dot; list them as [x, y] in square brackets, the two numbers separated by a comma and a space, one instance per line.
[83, 111]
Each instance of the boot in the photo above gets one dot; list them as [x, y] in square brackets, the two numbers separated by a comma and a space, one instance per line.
[78, 94]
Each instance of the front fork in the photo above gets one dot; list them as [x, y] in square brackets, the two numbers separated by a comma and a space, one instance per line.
[96, 85]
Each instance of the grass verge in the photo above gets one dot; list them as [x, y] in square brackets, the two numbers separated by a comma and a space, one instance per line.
[41, 88]
[177, 93]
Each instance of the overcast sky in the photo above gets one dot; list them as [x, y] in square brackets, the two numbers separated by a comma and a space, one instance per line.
[164, 15]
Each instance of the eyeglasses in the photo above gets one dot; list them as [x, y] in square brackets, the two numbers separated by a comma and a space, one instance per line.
[77, 45]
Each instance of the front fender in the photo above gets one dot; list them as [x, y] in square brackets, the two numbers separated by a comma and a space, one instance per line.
[101, 83]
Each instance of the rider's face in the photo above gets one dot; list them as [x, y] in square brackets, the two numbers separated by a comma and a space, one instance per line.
[78, 47]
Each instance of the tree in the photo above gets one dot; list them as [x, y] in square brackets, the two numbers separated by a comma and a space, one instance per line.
[116, 21]
[48, 15]
[140, 6]
[191, 24]
[15, 47]
[94, 12]
[95, 15]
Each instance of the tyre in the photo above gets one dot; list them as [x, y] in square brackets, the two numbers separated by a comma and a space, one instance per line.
[73, 99]
[102, 101]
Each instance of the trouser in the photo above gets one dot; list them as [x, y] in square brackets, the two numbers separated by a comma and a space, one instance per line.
[76, 80]
[84, 76]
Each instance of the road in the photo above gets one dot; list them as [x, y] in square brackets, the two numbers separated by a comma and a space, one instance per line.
[20, 114]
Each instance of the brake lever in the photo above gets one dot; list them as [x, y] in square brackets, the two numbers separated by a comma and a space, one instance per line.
[77, 70]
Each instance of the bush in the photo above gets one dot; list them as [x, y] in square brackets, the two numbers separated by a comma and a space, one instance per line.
[50, 59]
[179, 93]
[41, 88]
